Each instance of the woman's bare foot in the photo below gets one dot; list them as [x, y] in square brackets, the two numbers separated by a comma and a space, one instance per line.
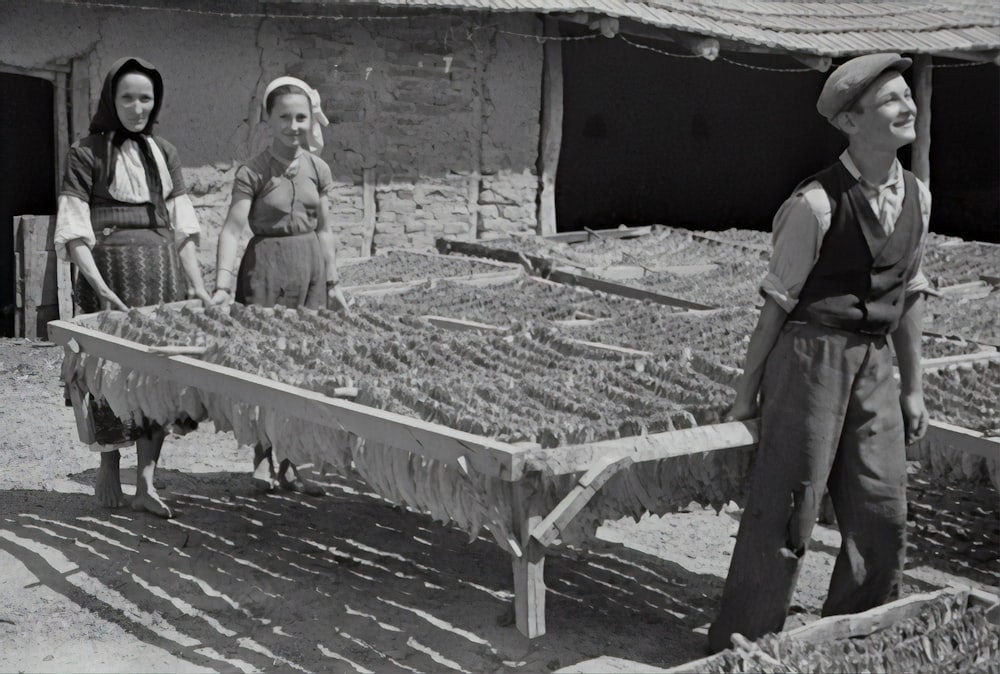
[146, 498]
[152, 503]
[297, 483]
[108, 486]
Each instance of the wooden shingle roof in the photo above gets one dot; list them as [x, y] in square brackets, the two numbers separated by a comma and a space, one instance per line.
[820, 28]
[817, 28]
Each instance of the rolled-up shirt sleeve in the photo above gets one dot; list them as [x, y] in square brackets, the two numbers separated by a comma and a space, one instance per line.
[183, 219]
[72, 222]
[918, 283]
[798, 231]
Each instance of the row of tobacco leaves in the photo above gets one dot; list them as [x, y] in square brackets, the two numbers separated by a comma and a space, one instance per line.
[535, 377]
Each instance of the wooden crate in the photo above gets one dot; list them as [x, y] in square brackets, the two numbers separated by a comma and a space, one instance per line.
[43, 291]
[840, 627]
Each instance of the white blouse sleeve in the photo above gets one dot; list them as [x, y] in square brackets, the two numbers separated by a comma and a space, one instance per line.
[72, 222]
[183, 218]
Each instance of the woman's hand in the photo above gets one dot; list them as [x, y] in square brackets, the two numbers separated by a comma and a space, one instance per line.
[336, 300]
[110, 300]
[222, 297]
[206, 299]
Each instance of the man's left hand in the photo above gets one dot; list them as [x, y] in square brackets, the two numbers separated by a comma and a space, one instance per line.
[914, 417]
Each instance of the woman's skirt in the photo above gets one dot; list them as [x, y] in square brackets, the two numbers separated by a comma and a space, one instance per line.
[285, 270]
[142, 267]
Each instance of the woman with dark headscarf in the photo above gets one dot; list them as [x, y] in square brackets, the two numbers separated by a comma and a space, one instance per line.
[126, 221]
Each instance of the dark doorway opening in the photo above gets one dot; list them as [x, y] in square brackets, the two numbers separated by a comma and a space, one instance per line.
[650, 138]
[655, 139]
[965, 150]
[27, 169]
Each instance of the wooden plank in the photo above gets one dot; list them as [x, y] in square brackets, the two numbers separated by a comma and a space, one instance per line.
[61, 120]
[79, 97]
[838, 627]
[533, 263]
[551, 132]
[931, 364]
[971, 290]
[920, 150]
[863, 624]
[435, 441]
[393, 287]
[369, 211]
[81, 413]
[623, 350]
[930, 333]
[64, 289]
[755, 247]
[656, 446]
[613, 288]
[29, 274]
[461, 324]
[588, 234]
[42, 285]
[948, 436]
[529, 567]
[552, 525]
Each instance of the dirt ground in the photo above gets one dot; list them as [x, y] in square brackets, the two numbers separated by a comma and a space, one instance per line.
[244, 581]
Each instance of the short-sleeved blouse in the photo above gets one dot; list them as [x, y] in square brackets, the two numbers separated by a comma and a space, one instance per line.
[128, 186]
[286, 197]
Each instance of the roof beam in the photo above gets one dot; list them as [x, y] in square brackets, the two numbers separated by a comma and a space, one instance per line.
[985, 56]
[705, 47]
[820, 63]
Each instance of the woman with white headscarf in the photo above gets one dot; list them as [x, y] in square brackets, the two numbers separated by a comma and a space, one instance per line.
[283, 196]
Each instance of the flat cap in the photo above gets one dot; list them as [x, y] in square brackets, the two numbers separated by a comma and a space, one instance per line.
[848, 82]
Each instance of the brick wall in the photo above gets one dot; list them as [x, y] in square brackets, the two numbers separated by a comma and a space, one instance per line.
[441, 109]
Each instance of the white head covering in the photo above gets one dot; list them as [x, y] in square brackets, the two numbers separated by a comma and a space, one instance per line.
[315, 137]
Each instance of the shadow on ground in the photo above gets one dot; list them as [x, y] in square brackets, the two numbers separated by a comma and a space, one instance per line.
[244, 581]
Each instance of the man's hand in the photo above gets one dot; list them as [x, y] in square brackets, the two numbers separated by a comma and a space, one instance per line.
[914, 417]
[336, 300]
[744, 408]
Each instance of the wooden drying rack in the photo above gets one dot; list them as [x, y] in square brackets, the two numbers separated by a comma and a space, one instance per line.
[522, 465]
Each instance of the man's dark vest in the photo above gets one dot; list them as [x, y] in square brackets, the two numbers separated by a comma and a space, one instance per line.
[108, 212]
[860, 278]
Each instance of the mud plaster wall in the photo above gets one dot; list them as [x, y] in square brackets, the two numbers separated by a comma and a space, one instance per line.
[442, 109]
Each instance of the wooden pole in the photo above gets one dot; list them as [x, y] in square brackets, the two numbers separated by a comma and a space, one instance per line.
[529, 567]
[368, 206]
[552, 121]
[920, 157]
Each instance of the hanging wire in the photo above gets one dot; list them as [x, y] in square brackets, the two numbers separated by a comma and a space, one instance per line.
[805, 69]
[657, 51]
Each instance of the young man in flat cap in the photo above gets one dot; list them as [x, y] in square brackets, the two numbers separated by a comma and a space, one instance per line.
[844, 281]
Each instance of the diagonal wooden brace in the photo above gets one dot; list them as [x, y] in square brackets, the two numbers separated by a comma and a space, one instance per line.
[602, 470]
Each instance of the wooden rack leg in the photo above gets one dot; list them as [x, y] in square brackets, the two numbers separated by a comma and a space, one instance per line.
[81, 411]
[529, 567]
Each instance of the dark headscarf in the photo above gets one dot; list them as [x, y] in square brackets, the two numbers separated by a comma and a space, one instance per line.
[105, 121]
[106, 117]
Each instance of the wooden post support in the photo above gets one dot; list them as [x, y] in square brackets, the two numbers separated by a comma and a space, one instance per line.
[552, 121]
[920, 157]
[79, 97]
[529, 567]
[368, 205]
